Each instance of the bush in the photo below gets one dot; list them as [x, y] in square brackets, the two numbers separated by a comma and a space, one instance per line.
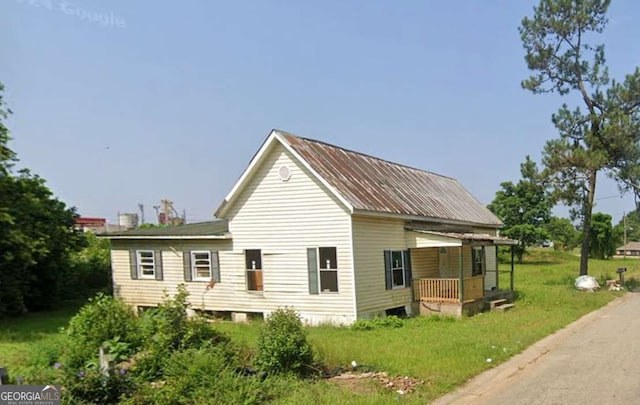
[390, 321]
[209, 374]
[283, 345]
[362, 324]
[89, 270]
[103, 318]
[91, 386]
[166, 329]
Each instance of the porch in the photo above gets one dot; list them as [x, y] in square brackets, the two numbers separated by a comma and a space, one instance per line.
[458, 271]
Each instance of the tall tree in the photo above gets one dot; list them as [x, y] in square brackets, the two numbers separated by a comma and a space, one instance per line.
[628, 229]
[7, 156]
[562, 232]
[524, 208]
[602, 244]
[36, 235]
[603, 135]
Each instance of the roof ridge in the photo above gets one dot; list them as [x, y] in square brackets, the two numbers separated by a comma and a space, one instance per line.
[365, 154]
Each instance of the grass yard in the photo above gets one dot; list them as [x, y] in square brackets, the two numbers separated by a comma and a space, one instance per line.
[443, 352]
[29, 345]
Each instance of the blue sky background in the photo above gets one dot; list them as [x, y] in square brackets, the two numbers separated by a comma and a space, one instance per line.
[118, 102]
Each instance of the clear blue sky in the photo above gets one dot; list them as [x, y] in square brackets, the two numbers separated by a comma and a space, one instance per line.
[120, 102]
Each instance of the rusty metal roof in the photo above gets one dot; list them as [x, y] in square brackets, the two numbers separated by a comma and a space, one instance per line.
[376, 185]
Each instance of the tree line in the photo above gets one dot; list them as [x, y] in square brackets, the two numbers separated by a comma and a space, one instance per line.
[599, 135]
[43, 258]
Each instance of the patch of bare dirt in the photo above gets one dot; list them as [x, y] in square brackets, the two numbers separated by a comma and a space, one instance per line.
[359, 382]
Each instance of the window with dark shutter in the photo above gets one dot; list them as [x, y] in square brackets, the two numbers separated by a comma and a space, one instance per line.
[397, 269]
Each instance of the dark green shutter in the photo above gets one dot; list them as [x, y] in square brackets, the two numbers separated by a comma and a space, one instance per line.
[133, 264]
[388, 277]
[186, 262]
[407, 268]
[215, 267]
[157, 261]
[312, 268]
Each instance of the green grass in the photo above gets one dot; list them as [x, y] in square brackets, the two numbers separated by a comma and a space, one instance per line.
[30, 345]
[444, 352]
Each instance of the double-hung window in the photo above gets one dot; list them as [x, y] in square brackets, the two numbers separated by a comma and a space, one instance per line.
[328, 267]
[253, 265]
[397, 267]
[201, 265]
[322, 267]
[146, 264]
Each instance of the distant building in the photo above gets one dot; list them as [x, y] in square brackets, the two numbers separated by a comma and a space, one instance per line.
[630, 249]
[90, 224]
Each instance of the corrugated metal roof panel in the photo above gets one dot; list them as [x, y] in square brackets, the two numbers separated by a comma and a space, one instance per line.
[377, 185]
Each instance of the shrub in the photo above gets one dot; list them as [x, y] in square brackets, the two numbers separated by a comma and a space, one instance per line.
[210, 375]
[91, 386]
[103, 318]
[362, 324]
[89, 270]
[166, 329]
[283, 345]
[390, 321]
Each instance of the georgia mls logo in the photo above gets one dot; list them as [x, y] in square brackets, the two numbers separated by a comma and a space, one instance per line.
[29, 395]
[49, 390]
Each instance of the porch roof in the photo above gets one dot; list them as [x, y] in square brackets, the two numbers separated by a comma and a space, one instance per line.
[421, 238]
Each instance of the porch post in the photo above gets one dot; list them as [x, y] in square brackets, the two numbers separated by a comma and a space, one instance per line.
[511, 278]
[461, 283]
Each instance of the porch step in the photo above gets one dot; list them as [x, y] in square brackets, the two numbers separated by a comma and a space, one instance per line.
[504, 307]
[495, 303]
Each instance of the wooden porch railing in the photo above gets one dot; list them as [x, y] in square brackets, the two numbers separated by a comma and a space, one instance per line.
[447, 289]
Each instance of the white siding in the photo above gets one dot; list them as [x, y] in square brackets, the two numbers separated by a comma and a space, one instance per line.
[371, 237]
[145, 292]
[283, 219]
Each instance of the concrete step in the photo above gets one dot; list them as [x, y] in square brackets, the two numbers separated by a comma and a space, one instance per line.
[504, 307]
[495, 303]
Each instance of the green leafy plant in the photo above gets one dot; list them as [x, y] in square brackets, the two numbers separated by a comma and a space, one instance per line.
[283, 345]
[104, 318]
[168, 328]
[91, 386]
[391, 321]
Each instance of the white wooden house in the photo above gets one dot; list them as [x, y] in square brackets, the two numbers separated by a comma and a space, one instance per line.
[336, 234]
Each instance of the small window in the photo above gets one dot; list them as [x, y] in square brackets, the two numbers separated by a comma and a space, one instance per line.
[253, 265]
[328, 267]
[397, 269]
[201, 266]
[146, 264]
[477, 261]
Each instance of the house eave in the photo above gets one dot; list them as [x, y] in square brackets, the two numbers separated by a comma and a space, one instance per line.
[390, 215]
[468, 238]
[166, 237]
